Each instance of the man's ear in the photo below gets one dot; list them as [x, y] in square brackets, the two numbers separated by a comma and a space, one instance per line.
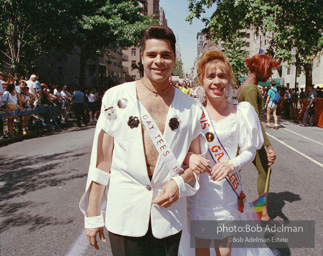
[141, 57]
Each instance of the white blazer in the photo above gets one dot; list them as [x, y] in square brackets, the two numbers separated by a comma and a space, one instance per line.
[128, 206]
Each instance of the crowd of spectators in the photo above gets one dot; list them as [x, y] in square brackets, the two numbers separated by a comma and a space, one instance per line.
[71, 103]
[68, 104]
[294, 103]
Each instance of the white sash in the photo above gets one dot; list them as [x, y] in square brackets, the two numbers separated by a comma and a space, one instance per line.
[159, 142]
[219, 154]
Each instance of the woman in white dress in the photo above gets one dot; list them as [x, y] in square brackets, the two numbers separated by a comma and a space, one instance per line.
[234, 127]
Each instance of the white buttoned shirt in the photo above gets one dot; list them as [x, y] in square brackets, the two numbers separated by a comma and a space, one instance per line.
[127, 205]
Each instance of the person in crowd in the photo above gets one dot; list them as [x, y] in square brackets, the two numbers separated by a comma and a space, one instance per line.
[86, 104]
[22, 84]
[57, 93]
[234, 97]
[93, 110]
[2, 107]
[66, 99]
[260, 67]
[48, 98]
[27, 100]
[302, 99]
[10, 100]
[271, 105]
[287, 102]
[39, 89]
[146, 199]
[309, 111]
[295, 99]
[78, 106]
[31, 83]
[185, 89]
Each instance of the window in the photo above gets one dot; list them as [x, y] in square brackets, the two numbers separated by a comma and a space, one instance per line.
[247, 44]
[248, 35]
[288, 71]
[133, 63]
[287, 85]
[133, 51]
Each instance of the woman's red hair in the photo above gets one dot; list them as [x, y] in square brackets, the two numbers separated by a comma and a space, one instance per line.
[262, 65]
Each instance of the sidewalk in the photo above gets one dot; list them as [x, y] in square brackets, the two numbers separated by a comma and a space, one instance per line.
[45, 132]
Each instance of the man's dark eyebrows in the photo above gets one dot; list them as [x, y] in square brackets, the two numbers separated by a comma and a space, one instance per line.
[154, 52]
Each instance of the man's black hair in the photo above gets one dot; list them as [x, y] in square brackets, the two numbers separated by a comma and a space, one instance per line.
[158, 32]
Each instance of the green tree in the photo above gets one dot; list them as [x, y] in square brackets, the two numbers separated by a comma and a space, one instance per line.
[296, 25]
[108, 23]
[178, 69]
[233, 49]
[29, 29]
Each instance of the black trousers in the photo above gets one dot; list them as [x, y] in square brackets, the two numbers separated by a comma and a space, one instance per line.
[79, 113]
[147, 245]
[309, 112]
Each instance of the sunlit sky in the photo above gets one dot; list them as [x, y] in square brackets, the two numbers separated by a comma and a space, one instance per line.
[176, 12]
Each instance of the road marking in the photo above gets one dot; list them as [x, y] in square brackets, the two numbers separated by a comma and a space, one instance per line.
[80, 246]
[294, 149]
[304, 137]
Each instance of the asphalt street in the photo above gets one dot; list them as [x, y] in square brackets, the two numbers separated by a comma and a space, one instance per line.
[42, 180]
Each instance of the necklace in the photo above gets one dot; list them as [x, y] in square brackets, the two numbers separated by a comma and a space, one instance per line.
[156, 92]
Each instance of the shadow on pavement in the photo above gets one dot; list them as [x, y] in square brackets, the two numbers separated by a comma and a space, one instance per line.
[276, 203]
[21, 176]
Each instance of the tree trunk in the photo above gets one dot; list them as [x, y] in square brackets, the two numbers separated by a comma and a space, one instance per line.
[295, 77]
[308, 74]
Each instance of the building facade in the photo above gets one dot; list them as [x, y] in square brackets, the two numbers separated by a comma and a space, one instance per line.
[259, 43]
[131, 59]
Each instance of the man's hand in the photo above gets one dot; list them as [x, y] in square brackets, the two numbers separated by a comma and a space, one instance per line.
[271, 156]
[168, 196]
[91, 236]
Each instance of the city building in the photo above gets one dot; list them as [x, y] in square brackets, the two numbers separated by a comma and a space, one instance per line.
[131, 59]
[285, 75]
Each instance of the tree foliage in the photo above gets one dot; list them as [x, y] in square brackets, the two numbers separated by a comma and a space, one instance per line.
[296, 25]
[108, 23]
[178, 69]
[233, 49]
[30, 29]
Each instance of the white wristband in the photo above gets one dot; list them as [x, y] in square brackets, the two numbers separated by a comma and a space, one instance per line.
[186, 189]
[99, 176]
[94, 222]
[180, 183]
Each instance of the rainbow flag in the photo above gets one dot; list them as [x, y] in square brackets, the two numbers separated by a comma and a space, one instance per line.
[259, 203]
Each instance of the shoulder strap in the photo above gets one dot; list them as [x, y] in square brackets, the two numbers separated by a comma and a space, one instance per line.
[159, 142]
[218, 152]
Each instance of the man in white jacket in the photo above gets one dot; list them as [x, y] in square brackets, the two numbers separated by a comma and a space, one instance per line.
[136, 186]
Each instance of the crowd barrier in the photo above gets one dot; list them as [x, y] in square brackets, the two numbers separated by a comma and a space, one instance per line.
[318, 112]
[51, 110]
